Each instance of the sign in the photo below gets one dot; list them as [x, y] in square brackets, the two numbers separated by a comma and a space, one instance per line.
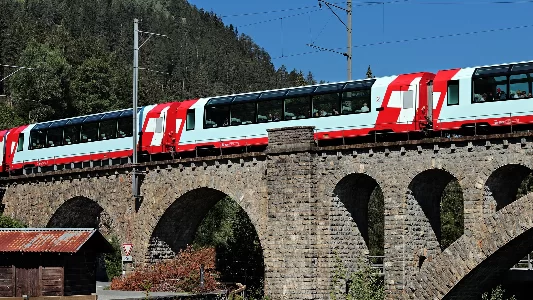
[127, 258]
[127, 248]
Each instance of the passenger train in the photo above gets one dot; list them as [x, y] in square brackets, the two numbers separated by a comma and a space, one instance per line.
[488, 98]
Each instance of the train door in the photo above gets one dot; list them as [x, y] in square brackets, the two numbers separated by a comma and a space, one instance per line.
[3, 136]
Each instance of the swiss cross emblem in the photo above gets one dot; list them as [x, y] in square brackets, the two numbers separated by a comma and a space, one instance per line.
[127, 248]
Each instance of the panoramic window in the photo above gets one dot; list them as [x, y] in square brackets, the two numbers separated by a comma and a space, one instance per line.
[216, 116]
[268, 111]
[37, 139]
[125, 127]
[355, 102]
[89, 132]
[326, 105]
[490, 88]
[72, 135]
[519, 86]
[453, 92]
[108, 129]
[54, 137]
[297, 108]
[243, 113]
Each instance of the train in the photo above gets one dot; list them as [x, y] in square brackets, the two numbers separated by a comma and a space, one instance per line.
[490, 98]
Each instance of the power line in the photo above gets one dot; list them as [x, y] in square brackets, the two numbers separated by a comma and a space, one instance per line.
[363, 3]
[277, 19]
[417, 39]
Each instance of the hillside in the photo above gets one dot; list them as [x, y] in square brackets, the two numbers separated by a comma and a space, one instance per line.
[82, 52]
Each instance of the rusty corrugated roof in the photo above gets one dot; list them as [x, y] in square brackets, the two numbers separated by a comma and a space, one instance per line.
[44, 239]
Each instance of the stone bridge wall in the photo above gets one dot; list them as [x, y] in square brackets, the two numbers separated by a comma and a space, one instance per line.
[307, 203]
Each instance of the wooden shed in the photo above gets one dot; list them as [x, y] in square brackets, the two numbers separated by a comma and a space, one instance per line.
[49, 262]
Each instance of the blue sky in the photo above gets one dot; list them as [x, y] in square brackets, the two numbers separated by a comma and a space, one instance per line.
[375, 23]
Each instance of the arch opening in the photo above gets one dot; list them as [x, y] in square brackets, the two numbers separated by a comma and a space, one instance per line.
[82, 212]
[440, 197]
[206, 217]
[505, 185]
[363, 199]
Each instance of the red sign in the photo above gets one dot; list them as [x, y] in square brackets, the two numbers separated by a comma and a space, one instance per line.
[127, 248]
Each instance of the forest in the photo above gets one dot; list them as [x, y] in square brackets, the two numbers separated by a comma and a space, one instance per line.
[81, 55]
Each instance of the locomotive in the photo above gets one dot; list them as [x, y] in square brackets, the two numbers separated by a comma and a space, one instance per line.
[475, 99]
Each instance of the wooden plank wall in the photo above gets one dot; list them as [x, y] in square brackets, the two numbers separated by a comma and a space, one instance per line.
[52, 281]
[7, 281]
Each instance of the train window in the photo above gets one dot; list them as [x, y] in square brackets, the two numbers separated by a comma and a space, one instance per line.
[519, 86]
[125, 127]
[297, 108]
[158, 125]
[453, 92]
[326, 105]
[72, 135]
[108, 130]
[408, 99]
[20, 145]
[37, 139]
[243, 113]
[54, 137]
[190, 120]
[489, 88]
[216, 116]
[268, 111]
[89, 132]
[355, 102]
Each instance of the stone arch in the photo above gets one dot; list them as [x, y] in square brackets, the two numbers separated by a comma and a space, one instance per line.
[477, 259]
[501, 187]
[356, 191]
[177, 226]
[424, 198]
[81, 212]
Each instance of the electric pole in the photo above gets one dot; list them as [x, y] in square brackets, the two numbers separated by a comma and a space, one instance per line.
[348, 26]
[349, 29]
[136, 47]
[135, 183]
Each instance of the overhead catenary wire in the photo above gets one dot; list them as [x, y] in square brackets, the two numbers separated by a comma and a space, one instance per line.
[413, 39]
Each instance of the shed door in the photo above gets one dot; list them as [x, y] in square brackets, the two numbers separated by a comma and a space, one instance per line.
[6, 282]
[27, 282]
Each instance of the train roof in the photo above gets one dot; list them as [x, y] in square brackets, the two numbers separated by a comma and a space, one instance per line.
[86, 119]
[496, 66]
[315, 89]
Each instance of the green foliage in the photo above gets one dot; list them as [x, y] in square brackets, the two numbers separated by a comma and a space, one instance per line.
[113, 260]
[363, 284]
[369, 73]
[452, 212]
[7, 222]
[42, 93]
[228, 228]
[376, 217]
[497, 293]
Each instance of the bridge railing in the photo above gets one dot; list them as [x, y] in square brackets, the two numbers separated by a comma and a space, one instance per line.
[524, 264]
[377, 265]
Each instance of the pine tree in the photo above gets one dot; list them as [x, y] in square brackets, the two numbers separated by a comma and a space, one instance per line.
[369, 73]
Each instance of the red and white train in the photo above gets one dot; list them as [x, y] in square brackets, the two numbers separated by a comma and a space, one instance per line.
[487, 97]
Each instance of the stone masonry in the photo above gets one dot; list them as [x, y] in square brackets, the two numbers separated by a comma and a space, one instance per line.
[308, 206]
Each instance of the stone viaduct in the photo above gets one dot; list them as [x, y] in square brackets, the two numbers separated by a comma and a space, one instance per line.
[309, 206]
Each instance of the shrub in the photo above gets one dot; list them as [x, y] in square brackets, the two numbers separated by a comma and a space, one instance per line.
[181, 274]
[113, 260]
[7, 222]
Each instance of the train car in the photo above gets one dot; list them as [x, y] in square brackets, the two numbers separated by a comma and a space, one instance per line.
[336, 110]
[98, 139]
[483, 98]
